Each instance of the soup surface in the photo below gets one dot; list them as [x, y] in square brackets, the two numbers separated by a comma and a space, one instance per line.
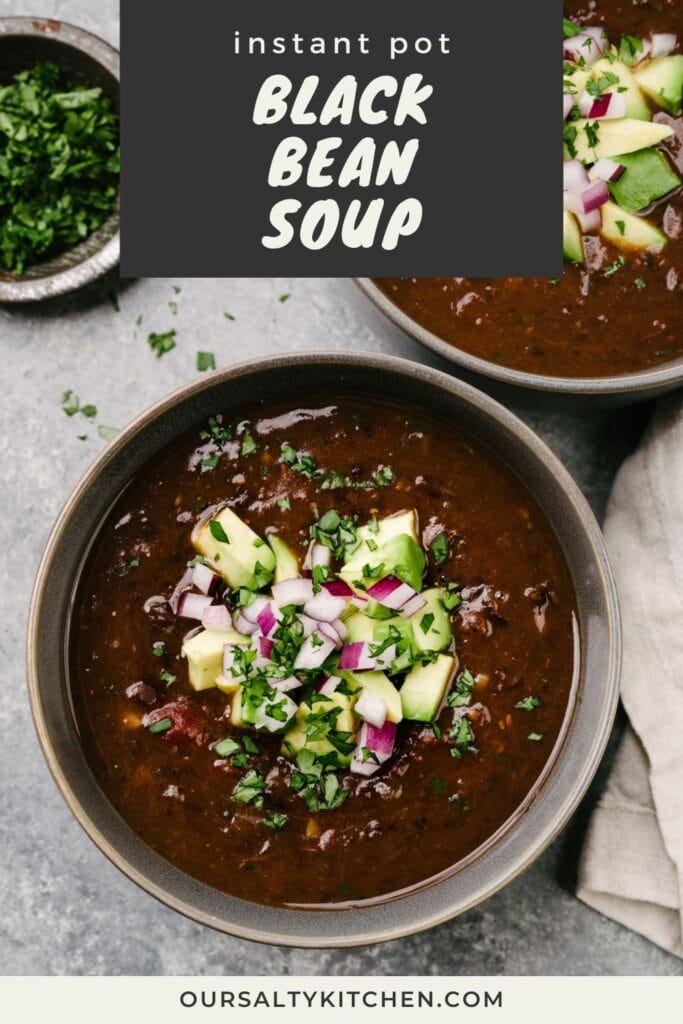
[618, 312]
[239, 806]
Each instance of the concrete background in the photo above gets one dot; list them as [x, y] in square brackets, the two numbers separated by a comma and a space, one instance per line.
[66, 910]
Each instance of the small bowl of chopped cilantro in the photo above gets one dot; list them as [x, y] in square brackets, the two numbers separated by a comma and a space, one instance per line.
[59, 158]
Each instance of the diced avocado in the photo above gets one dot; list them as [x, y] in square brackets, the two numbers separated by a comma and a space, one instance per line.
[236, 710]
[662, 81]
[432, 625]
[571, 238]
[360, 628]
[204, 653]
[400, 556]
[389, 627]
[379, 685]
[597, 139]
[382, 530]
[425, 687]
[295, 739]
[378, 612]
[627, 86]
[575, 80]
[648, 176]
[286, 562]
[244, 561]
[346, 722]
[627, 231]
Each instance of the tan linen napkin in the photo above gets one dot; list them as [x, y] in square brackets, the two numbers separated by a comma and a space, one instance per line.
[632, 864]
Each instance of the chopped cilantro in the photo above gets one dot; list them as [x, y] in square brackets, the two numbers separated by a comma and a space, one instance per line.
[160, 344]
[535, 737]
[440, 549]
[59, 164]
[206, 361]
[528, 704]
[276, 821]
[218, 533]
[126, 567]
[162, 725]
[249, 790]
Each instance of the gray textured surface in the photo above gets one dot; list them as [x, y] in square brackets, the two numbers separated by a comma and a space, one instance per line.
[66, 910]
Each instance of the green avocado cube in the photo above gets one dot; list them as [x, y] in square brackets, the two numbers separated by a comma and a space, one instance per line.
[648, 176]
[234, 551]
[425, 687]
[662, 81]
[431, 625]
[286, 562]
[400, 556]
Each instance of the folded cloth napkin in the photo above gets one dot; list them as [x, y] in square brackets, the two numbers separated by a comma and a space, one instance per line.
[632, 864]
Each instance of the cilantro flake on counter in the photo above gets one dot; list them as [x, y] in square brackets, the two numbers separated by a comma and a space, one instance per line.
[206, 361]
[160, 344]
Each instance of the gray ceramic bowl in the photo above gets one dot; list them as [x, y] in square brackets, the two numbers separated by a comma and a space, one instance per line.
[604, 391]
[23, 41]
[588, 720]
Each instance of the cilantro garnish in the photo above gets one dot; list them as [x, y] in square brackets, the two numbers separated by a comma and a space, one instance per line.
[250, 788]
[528, 704]
[276, 821]
[440, 549]
[160, 344]
[218, 533]
[206, 361]
[126, 567]
[59, 165]
[162, 725]
[461, 693]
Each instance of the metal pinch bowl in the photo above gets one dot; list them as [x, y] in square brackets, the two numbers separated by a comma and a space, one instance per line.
[23, 42]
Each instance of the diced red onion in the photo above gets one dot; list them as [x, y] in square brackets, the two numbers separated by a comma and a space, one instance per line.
[645, 52]
[392, 592]
[371, 709]
[309, 624]
[295, 591]
[413, 606]
[379, 741]
[567, 104]
[607, 170]
[662, 43]
[317, 554]
[338, 588]
[193, 606]
[216, 616]
[243, 625]
[340, 629]
[325, 607]
[589, 222]
[359, 602]
[595, 196]
[607, 106]
[269, 618]
[286, 685]
[183, 584]
[313, 652]
[575, 176]
[263, 646]
[589, 199]
[588, 45]
[326, 629]
[206, 580]
[253, 610]
[329, 685]
[356, 657]
[387, 658]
